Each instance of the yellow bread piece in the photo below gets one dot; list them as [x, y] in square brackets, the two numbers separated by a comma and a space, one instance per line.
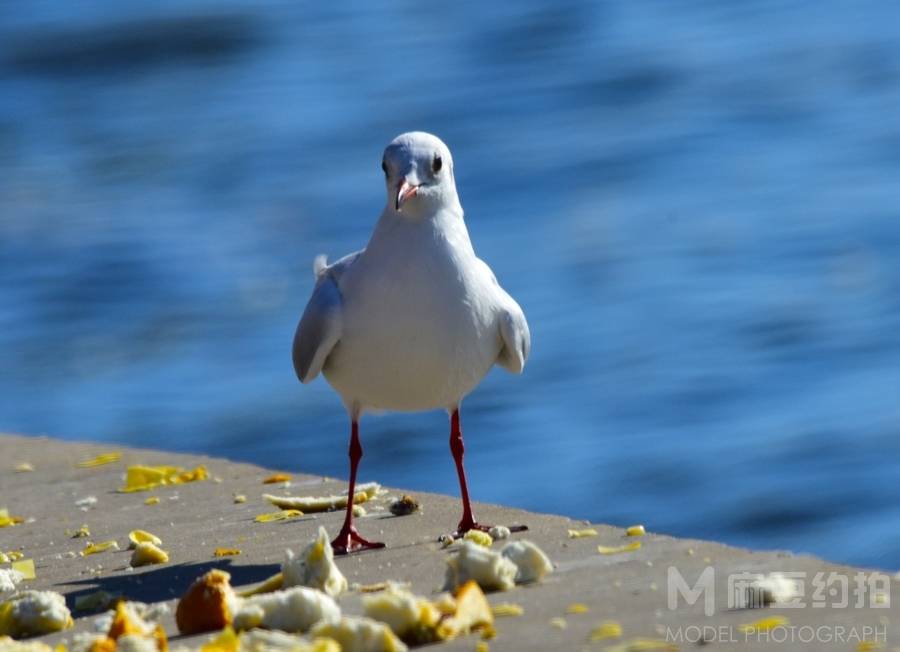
[606, 630]
[479, 537]
[95, 548]
[32, 613]
[100, 460]
[140, 536]
[291, 610]
[268, 585]
[147, 553]
[25, 567]
[309, 504]
[414, 619]
[314, 567]
[264, 640]
[488, 568]
[504, 609]
[763, 624]
[472, 612]
[208, 604]
[9, 645]
[360, 634]
[142, 478]
[613, 550]
[283, 515]
[531, 562]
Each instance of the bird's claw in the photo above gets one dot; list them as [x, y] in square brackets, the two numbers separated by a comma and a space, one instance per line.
[471, 524]
[350, 540]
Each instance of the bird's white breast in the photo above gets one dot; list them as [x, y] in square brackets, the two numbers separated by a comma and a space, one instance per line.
[420, 323]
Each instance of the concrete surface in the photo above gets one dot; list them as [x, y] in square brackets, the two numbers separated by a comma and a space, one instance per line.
[194, 519]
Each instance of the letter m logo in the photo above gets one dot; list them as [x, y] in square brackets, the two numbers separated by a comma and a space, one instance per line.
[705, 586]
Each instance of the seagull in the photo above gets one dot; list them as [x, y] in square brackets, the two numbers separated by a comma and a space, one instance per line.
[415, 320]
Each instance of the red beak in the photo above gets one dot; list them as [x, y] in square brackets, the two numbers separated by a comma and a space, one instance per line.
[405, 191]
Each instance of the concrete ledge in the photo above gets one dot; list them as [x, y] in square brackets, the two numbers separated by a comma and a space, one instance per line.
[194, 519]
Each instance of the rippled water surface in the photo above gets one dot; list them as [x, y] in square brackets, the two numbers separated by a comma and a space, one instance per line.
[696, 203]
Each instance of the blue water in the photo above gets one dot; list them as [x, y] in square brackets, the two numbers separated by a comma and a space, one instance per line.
[696, 203]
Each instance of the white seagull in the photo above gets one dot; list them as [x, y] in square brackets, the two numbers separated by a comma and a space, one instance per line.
[415, 320]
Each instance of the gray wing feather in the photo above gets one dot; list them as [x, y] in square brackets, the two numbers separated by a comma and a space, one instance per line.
[516, 338]
[320, 326]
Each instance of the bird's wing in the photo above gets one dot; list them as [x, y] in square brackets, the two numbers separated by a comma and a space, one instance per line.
[321, 324]
[516, 338]
[514, 330]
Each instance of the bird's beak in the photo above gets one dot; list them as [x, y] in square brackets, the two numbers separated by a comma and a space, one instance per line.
[405, 191]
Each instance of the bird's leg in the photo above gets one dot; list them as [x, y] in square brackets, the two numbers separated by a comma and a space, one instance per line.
[458, 449]
[349, 539]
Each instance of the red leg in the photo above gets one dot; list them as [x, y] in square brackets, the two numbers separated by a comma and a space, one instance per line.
[458, 449]
[349, 539]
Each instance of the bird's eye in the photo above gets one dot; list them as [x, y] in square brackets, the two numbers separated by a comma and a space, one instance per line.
[384, 166]
[436, 164]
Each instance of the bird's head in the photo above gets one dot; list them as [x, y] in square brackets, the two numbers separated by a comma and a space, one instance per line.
[418, 173]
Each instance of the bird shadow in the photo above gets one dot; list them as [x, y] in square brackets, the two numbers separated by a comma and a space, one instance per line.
[164, 582]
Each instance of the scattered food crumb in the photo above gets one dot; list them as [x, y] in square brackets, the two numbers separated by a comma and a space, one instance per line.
[479, 537]
[82, 532]
[558, 623]
[143, 478]
[577, 608]
[96, 601]
[100, 460]
[136, 537]
[868, 646]
[499, 532]
[531, 562]
[152, 500]
[268, 585]
[103, 546]
[282, 515]
[358, 634]
[763, 625]
[240, 498]
[612, 550]
[7, 520]
[9, 578]
[25, 567]
[482, 646]
[308, 504]
[581, 534]
[207, 605]
[24, 467]
[147, 553]
[635, 531]
[32, 613]
[605, 630]
[504, 609]
[86, 503]
[226, 552]
[765, 590]
[314, 567]
[277, 477]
